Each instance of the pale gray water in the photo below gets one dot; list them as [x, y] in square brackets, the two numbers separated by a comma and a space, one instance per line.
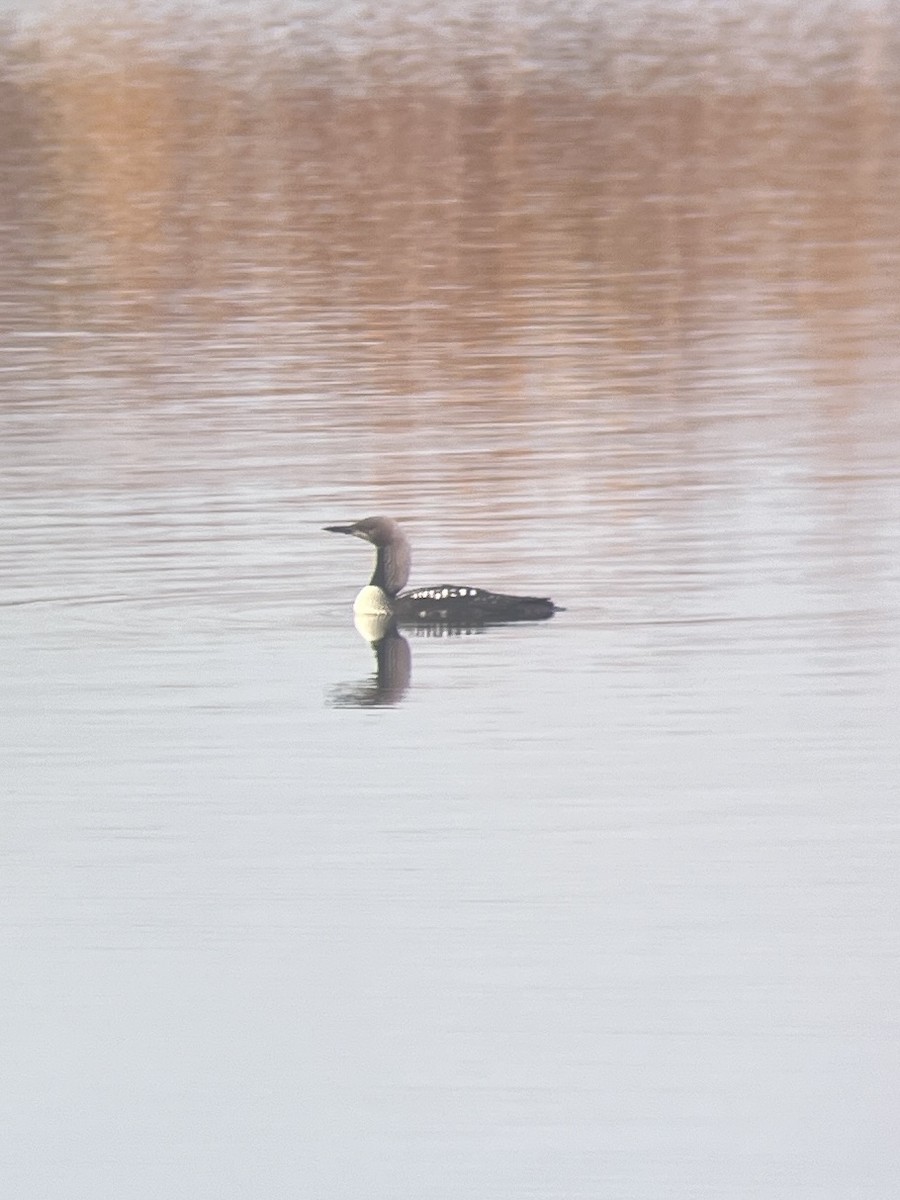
[599, 907]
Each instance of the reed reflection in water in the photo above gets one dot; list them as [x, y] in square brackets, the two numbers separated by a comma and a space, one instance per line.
[601, 302]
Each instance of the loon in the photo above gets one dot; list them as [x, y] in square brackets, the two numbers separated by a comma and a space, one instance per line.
[450, 604]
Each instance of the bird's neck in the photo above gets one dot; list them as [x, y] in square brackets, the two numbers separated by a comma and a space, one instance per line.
[392, 567]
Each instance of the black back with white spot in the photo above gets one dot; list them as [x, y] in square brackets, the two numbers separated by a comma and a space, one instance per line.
[450, 602]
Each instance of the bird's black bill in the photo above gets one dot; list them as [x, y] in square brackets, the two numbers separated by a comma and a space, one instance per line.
[339, 529]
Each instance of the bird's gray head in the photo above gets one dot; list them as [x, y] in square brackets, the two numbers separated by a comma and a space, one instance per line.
[394, 554]
[380, 531]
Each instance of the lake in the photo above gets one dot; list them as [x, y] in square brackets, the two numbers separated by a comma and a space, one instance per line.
[601, 302]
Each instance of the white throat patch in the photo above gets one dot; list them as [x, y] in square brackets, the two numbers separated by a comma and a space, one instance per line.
[372, 602]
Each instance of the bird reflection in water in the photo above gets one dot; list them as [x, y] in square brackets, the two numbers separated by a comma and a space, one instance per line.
[393, 659]
[393, 666]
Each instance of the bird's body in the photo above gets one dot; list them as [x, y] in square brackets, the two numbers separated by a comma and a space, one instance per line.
[448, 604]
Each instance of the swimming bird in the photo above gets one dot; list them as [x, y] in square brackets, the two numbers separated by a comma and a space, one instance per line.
[445, 604]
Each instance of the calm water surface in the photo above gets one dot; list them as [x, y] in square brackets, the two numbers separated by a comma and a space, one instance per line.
[602, 303]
